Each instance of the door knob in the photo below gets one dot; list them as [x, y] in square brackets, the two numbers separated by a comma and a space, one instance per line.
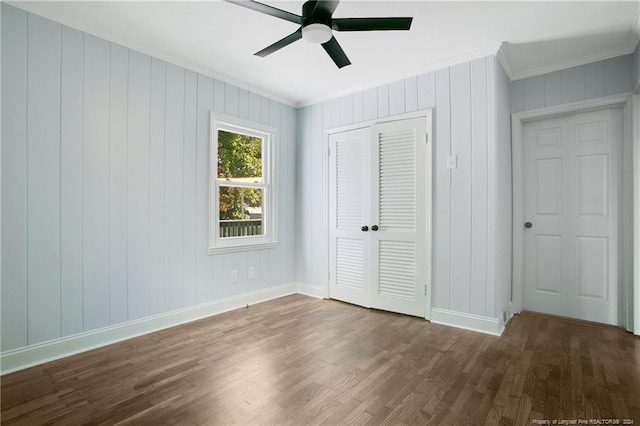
[528, 225]
[374, 228]
[365, 228]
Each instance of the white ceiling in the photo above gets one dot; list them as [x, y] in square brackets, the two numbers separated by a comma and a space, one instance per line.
[219, 39]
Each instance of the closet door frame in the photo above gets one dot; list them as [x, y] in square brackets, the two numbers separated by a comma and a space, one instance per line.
[427, 114]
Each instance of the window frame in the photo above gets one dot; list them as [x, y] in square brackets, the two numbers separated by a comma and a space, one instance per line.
[268, 135]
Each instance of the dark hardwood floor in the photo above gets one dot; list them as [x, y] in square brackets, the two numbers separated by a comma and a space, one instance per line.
[298, 360]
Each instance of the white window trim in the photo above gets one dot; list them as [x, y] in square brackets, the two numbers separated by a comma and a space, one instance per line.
[269, 135]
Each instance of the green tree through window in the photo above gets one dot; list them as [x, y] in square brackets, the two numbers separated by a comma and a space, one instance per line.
[239, 161]
[239, 156]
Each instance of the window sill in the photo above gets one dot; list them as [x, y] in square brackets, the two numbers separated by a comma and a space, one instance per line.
[239, 248]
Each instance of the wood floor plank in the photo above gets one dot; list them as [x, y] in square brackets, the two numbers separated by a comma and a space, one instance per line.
[298, 360]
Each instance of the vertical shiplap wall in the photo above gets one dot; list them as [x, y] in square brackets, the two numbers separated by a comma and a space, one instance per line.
[43, 177]
[636, 67]
[105, 184]
[464, 100]
[594, 80]
[1, 135]
[503, 218]
[14, 147]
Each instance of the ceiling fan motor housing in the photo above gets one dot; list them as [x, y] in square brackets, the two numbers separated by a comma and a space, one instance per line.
[315, 15]
[316, 23]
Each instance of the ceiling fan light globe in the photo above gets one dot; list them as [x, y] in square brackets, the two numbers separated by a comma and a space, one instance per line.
[317, 33]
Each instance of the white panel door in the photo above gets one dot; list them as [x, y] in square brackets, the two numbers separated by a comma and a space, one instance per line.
[571, 215]
[399, 231]
[378, 216]
[350, 206]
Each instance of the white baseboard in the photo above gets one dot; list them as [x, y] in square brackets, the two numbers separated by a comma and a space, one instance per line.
[487, 325]
[311, 290]
[40, 353]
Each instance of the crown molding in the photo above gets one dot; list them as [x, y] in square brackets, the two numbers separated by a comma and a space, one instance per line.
[33, 8]
[600, 56]
[634, 36]
[504, 61]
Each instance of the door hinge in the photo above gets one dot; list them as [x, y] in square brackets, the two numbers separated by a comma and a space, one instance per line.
[426, 138]
[329, 151]
[425, 289]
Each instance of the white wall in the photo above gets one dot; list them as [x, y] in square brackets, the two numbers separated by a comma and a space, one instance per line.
[470, 262]
[590, 81]
[0, 168]
[104, 184]
[504, 190]
[635, 293]
[636, 68]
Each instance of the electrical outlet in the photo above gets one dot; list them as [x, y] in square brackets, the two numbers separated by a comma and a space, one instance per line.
[251, 272]
[452, 162]
[234, 277]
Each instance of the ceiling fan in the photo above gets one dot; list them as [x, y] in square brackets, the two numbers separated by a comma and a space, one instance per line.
[317, 26]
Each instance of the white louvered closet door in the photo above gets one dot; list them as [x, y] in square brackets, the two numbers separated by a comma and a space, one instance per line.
[350, 206]
[379, 181]
[399, 180]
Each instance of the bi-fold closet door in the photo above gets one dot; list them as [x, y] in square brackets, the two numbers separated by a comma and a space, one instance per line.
[379, 181]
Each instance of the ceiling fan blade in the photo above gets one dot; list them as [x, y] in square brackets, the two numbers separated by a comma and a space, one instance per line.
[269, 10]
[326, 6]
[371, 24]
[337, 54]
[280, 43]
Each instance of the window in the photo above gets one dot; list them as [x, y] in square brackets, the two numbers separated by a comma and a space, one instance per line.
[242, 208]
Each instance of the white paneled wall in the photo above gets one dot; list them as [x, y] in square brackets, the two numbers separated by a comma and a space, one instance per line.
[14, 146]
[502, 226]
[466, 206]
[43, 190]
[636, 67]
[105, 184]
[594, 80]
